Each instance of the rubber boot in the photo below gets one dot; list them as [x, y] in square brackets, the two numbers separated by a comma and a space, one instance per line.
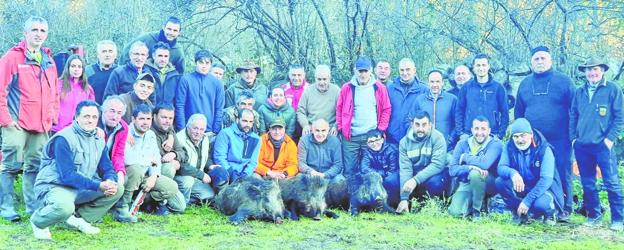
[7, 203]
[28, 188]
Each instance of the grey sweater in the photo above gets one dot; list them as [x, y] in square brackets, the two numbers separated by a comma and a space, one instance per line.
[421, 159]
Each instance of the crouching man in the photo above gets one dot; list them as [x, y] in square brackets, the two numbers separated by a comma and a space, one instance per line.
[197, 179]
[383, 158]
[143, 165]
[528, 180]
[422, 162]
[278, 153]
[76, 182]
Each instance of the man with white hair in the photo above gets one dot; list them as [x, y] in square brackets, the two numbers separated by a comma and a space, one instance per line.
[319, 101]
[197, 179]
[544, 99]
[403, 93]
[99, 72]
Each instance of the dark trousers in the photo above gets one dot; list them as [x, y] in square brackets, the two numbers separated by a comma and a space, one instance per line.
[437, 185]
[588, 156]
[392, 185]
[543, 205]
[563, 151]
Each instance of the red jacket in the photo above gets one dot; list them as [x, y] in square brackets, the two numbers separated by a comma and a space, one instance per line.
[28, 92]
[345, 108]
[119, 147]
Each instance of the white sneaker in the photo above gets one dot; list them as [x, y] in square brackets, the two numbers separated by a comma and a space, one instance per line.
[42, 234]
[82, 225]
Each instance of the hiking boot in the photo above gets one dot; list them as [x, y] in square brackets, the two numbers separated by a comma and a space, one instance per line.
[550, 220]
[82, 225]
[41, 233]
[12, 217]
[593, 222]
[564, 217]
[162, 210]
[121, 214]
[476, 216]
[617, 226]
[519, 219]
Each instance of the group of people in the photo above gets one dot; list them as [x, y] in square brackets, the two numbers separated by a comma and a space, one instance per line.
[90, 140]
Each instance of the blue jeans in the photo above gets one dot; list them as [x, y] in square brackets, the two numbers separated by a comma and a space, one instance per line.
[392, 184]
[587, 157]
[437, 185]
[543, 205]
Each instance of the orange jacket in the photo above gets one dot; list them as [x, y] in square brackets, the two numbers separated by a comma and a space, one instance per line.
[286, 161]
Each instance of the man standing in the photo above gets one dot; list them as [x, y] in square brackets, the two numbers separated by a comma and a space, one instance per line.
[319, 101]
[166, 75]
[123, 77]
[528, 182]
[29, 103]
[168, 34]
[143, 165]
[218, 71]
[441, 106]
[474, 165]
[77, 183]
[248, 82]
[357, 113]
[200, 92]
[422, 162]
[461, 75]
[142, 90]
[237, 147]
[382, 72]
[99, 73]
[482, 96]
[296, 85]
[278, 153]
[403, 93]
[596, 121]
[544, 99]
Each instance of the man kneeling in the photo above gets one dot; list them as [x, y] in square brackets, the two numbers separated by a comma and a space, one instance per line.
[528, 180]
[76, 183]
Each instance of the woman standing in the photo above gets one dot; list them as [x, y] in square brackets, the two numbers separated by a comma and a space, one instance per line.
[73, 88]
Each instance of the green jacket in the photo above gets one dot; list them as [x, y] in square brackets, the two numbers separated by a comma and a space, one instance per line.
[197, 156]
[268, 113]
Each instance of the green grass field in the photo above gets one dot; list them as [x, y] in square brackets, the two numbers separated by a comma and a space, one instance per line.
[431, 228]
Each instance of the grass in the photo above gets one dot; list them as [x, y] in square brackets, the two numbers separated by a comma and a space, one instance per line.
[430, 228]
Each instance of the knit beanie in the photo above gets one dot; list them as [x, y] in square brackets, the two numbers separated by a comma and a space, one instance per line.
[521, 125]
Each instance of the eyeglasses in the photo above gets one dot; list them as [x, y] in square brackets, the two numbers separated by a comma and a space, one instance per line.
[541, 93]
[373, 141]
